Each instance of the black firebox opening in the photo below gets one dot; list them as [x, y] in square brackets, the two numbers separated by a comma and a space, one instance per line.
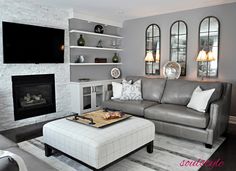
[33, 95]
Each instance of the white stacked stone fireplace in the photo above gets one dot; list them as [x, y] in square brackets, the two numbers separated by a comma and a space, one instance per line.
[31, 13]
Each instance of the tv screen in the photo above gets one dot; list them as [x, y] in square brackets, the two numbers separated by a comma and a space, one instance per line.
[32, 44]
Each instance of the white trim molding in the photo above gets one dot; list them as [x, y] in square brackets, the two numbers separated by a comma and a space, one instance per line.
[232, 119]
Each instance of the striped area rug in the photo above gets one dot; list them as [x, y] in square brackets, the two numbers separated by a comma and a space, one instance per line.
[167, 155]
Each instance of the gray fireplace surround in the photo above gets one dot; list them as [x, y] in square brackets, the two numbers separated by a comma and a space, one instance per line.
[164, 102]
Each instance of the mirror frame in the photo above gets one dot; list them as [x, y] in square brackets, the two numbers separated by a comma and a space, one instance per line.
[186, 47]
[218, 49]
[146, 50]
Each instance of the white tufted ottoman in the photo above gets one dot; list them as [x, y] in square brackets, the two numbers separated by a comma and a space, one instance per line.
[98, 147]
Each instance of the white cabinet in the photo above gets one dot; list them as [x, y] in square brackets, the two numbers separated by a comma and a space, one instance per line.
[88, 96]
[91, 97]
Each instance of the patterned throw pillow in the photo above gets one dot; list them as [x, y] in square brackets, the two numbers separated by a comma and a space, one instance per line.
[117, 88]
[131, 91]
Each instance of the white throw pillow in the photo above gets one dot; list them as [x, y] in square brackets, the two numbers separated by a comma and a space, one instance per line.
[117, 88]
[200, 99]
[131, 91]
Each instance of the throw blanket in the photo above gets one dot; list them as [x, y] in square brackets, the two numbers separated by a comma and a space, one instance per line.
[18, 159]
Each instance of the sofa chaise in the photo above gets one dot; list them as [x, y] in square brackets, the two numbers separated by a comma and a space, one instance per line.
[164, 102]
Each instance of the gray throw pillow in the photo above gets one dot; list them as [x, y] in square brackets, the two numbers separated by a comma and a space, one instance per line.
[131, 91]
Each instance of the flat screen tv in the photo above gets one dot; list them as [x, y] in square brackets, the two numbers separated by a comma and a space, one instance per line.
[32, 44]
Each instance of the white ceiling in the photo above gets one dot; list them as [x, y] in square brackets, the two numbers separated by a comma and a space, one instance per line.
[120, 10]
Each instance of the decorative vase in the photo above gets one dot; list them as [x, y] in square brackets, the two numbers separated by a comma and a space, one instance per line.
[115, 58]
[81, 41]
[80, 59]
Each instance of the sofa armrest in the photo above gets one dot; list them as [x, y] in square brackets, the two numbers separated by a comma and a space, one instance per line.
[108, 94]
[219, 113]
[8, 164]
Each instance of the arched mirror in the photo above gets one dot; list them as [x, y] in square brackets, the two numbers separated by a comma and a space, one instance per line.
[178, 44]
[209, 36]
[153, 50]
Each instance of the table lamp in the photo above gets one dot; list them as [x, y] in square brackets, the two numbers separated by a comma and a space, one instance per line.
[203, 56]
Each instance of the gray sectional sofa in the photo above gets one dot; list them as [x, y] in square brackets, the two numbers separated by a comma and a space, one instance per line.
[32, 163]
[164, 102]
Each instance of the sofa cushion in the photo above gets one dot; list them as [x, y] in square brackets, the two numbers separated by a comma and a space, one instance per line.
[152, 88]
[180, 91]
[8, 164]
[133, 107]
[32, 163]
[6, 143]
[177, 114]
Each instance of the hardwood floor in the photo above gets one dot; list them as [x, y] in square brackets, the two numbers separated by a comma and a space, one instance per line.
[226, 152]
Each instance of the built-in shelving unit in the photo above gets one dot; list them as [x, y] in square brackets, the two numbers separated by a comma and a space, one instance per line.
[111, 43]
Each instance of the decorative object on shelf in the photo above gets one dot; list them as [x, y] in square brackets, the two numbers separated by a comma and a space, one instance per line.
[115, 44]
[209, 41]
[99, 29]
[80, 59]
[171, 70]
[115, 58]
[100, 60]
[115, 73]
[202, 58]
[99, 44]
[81, 41]
[178, 44]
[152, 45]
[84, 79]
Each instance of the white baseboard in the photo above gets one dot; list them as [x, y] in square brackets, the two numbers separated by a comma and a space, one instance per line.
[232, 119]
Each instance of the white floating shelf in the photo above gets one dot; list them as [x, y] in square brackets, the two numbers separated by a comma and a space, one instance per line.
[87, 64]
[96, 34]
[95, 48]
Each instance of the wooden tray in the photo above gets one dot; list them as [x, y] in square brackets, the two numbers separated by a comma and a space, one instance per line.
[97, 119]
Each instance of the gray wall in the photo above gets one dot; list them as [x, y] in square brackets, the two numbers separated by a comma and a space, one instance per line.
[134, 42]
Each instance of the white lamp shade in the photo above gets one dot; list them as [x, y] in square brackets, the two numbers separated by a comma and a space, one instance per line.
[157, 56]
[210, 56]
[149, 57]
[202, 56]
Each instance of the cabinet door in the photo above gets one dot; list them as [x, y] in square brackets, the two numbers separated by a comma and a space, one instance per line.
[98, 97]
[86, 98]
